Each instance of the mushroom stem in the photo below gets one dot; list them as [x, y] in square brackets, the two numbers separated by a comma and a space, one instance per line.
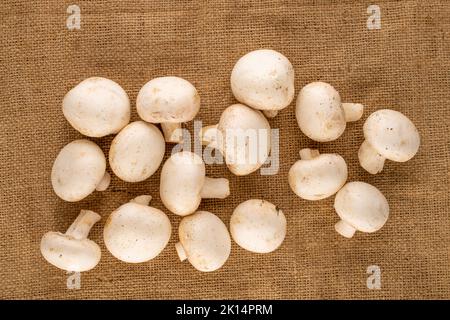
[308, 154]
[172, 132]
[215, 188]
[80, 228]
[144, 199]
[270, 113]
[180, 251]
[345, 229]
[352, 111]
[208, 135]
[370, 159]
[104, 183]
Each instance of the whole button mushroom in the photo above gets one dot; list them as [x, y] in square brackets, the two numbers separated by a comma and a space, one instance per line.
[204, 241]
[317, 176]
[78, 170]
[169, 101]
[264, 80]
[136, 232]
[72, 251]
[137, 151]
[389, 135]
[361, 207]
[184, 184]
[258, 226]
[97, 107]
[320, 114]
[243, 136]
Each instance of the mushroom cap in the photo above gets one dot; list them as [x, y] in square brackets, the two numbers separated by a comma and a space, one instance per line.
[263, 79]
[318, 178]
[69, 253]
[258, 226]
[241, 121]
[392, 135]
[182, 178]
[319, 112]
[136, 233]
[97, 107]
[362, 205]
[137, 151]
[77, 170]
[205, 240]
[168, 99]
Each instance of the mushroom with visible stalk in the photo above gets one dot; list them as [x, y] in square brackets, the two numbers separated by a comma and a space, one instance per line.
[317, 176]
[73, 251]
[204, 241]
[320, 113]
[136, 232]
[169, 101]
[361, 207]
[263, 79]
[258, 226]
[137, 151]
[243, 136]
[184, 184]
[97, 107]
[388, 135]
[78, 170]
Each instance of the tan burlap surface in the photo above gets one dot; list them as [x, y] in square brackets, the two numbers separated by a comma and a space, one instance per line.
[405, 66]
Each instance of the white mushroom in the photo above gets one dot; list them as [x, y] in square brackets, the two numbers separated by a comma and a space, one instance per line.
[317, 176]
[264, 80]
[137, 151]
[136, 232]
[243, 136]
[78, 170]
[73, 251]
[97, 107]
[184, 184]
[169, 101]
[204, 241]
[258, 226]
[320, 114]
[361, 207]
[389, 135]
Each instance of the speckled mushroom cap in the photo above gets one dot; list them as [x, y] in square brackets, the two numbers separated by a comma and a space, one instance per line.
[392, 135]
[258, 226]
[77, 170]
[263, 79]
[97, 107]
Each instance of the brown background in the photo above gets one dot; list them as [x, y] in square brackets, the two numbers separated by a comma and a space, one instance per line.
[404, 66]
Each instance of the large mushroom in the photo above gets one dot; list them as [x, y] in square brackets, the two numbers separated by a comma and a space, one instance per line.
[320, 113]
[388, 135]
[184, 184]
[169, 101]
[73, 251]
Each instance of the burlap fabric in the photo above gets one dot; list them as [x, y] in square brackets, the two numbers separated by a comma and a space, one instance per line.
[405, 66]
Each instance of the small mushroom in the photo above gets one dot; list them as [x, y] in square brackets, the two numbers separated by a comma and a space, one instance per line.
[388, 135]
[73, 251]
[78, 170]
[264, 80]
[184, 184]
[258, 226]
[204, 241]
[361, 207]
[320, 114]
[169, 101]
[97, 107]
[136, 232]
[317, 176]
[243, 136]
[137, 151]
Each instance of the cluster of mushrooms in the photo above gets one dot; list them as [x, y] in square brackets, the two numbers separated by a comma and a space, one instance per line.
[263, 82]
